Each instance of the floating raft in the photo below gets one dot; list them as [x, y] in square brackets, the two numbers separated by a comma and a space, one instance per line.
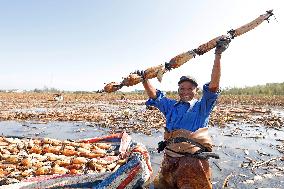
[113, 161]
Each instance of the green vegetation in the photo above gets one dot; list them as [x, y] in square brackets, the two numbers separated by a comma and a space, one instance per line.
[268, 89]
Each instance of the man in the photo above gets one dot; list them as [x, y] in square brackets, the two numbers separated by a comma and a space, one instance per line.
[187, 143]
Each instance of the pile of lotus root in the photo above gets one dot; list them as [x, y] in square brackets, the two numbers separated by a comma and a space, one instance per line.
[23, 158]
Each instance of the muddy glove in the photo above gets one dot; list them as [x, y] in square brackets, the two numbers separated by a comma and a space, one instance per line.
[222, 45]
[141, 73]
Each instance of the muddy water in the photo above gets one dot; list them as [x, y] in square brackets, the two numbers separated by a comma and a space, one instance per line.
[232, 143]
[255, 142]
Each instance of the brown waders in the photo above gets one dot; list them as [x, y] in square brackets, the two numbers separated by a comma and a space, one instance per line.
[185, 171]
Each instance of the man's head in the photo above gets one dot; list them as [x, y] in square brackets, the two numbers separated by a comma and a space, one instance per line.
[187, 88]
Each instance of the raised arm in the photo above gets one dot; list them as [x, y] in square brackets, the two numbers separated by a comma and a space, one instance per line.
[216, 74]
[150, 89]
[222, 45]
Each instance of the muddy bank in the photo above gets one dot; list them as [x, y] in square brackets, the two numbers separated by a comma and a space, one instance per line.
[119, 112]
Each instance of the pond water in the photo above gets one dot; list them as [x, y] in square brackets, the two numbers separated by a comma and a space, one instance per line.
[233, 143]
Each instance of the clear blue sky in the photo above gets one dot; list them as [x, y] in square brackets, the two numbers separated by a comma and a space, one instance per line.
[82, 44]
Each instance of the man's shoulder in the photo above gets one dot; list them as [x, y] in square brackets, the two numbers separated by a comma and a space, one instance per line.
[170, 100]
[161, 99]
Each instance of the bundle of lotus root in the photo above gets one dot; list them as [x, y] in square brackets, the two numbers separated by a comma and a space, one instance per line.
[158, 71]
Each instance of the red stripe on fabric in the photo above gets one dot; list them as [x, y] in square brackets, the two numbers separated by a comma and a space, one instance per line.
[145, 155]
[97, 139]
[130, 177]
[49, 177]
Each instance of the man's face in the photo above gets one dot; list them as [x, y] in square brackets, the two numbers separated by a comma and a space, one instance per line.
[187, 91]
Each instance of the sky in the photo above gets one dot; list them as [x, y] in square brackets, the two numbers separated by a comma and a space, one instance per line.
[84, 44]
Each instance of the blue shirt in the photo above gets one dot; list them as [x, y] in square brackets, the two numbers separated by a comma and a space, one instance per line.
[180, 115]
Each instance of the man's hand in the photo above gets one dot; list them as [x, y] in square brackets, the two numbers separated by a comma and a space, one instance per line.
[222, 45]
[141, 73]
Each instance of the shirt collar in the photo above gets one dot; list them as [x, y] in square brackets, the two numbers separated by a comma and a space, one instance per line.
[190, 103]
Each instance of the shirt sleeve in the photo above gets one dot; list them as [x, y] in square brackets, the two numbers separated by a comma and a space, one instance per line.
[208, 99]
[161, 102]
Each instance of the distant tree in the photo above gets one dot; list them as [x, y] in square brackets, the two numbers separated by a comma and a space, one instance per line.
[37, 90]
[267, 89]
